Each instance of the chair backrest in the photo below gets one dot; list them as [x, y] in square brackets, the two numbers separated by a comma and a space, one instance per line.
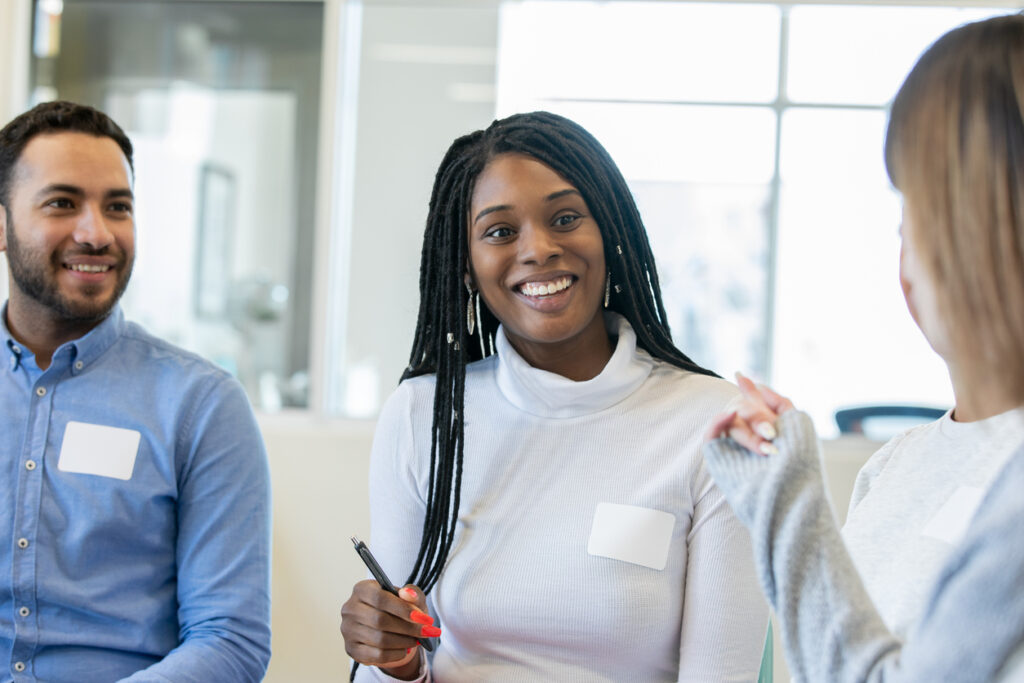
[882, 422]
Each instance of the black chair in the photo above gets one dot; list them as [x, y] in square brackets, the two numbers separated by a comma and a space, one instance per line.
[884, 422]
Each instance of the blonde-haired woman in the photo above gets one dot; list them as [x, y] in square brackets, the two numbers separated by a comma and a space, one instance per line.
[947, 579]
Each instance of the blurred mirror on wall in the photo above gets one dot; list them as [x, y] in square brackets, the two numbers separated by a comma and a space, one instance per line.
[221, 101]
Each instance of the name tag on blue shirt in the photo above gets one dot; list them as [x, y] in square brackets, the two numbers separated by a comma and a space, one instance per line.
[631, 534]
[98, 449]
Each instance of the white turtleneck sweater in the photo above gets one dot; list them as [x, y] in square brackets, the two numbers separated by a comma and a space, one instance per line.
[591, 544]
[912, 503]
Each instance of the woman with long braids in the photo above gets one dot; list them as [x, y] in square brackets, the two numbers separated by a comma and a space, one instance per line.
[537, 474]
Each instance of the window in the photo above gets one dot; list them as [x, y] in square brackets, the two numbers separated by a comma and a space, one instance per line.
[751, 135]
[752, 138]
[221, 101]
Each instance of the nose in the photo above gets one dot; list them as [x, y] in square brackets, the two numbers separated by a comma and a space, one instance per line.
[538, 245]
[92, 228]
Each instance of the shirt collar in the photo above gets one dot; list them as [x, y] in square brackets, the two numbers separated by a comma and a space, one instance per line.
[547, 394]
[14, 349]
[78, 353]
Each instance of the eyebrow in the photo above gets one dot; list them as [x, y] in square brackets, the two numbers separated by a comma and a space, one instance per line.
[550, 198]
[61, 188]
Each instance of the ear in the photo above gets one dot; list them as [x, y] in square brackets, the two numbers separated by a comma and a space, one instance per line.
[468, 278]
[3, 228]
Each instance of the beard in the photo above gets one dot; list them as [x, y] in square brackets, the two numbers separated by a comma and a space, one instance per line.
[32, 273]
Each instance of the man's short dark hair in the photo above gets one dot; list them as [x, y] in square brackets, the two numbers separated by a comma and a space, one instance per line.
[53, 117]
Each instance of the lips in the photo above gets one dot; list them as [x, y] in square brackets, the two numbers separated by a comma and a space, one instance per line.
[91, 268]
[87, 268]
[545, 287]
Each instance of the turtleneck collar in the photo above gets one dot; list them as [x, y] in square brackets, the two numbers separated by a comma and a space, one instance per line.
[547, 394]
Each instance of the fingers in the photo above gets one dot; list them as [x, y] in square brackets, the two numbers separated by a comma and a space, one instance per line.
[412, 594]
[419, 614]
[755, 411]
[719, 426]
[779, 404]
[752, 424]
[380, 629]
[745, 434]
[366, 646]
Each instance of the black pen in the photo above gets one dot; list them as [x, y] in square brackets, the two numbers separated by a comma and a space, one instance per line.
[384, 581]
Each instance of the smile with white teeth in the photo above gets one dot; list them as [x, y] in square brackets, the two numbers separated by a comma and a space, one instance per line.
[86, 268]
[545, 288]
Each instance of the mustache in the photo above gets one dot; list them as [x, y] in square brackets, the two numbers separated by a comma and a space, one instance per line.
[108, 250]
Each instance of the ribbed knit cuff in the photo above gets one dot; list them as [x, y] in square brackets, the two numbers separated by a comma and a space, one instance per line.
[422, 677]
[747, 478]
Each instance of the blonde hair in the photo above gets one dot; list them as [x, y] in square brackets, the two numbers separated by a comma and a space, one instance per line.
[955, 149]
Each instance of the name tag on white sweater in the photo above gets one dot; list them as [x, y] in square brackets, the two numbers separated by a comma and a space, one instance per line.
[951, 521]
[631, 534]
[98, 449]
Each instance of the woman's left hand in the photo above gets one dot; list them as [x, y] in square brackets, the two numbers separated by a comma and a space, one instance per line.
[752, 423]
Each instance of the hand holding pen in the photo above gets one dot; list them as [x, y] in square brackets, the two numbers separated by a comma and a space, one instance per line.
[383, 626]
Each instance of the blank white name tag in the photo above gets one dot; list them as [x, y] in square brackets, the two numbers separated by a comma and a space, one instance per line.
[100, 450]
[951, 521]
[631, 534]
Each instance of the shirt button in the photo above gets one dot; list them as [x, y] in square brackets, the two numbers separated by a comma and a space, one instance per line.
[16, 349]
[24, 611]
[79, 365]
[19, 666]
[22, 543]
[41, 391]
[30, 464]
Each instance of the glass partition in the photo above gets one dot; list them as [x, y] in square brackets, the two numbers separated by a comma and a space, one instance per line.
[750, 134]
[221, 100]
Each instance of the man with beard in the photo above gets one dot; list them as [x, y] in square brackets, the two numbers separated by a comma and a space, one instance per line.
[134, 498]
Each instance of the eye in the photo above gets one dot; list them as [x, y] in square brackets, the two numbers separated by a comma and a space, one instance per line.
[499, 233]
[566, 220]
[121, 207]
[60, 203]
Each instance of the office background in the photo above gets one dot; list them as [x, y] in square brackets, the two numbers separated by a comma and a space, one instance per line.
[285, 153]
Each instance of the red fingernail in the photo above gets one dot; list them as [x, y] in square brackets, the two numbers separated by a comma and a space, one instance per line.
[422, 618]
[430, 632]
[407, 593]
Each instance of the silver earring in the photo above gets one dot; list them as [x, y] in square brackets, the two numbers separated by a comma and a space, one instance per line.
[607, 288]
[483, 350]
[470, 318]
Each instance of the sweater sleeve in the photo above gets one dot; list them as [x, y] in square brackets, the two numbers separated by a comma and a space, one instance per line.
[831, 631]
[829, 626]
[725, 617]
[397, 507]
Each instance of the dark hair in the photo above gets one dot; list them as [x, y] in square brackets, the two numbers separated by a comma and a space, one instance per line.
[53, 117]
[442, 343]
[955, 149]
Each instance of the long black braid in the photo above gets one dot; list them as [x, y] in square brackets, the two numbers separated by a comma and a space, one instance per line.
[443, 345]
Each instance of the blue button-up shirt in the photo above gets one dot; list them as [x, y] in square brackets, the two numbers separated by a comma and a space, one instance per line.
[145, 563]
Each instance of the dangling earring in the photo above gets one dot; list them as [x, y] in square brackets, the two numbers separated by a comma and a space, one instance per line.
[480, 322]
[470, 318]
[607, 288]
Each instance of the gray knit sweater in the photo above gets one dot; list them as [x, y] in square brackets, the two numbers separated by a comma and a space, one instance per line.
[973, 621]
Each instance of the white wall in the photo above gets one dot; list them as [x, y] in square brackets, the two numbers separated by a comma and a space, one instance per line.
[319, 473]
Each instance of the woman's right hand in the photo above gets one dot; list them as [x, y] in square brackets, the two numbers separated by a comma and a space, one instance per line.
[381, 630]
[752, 423]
